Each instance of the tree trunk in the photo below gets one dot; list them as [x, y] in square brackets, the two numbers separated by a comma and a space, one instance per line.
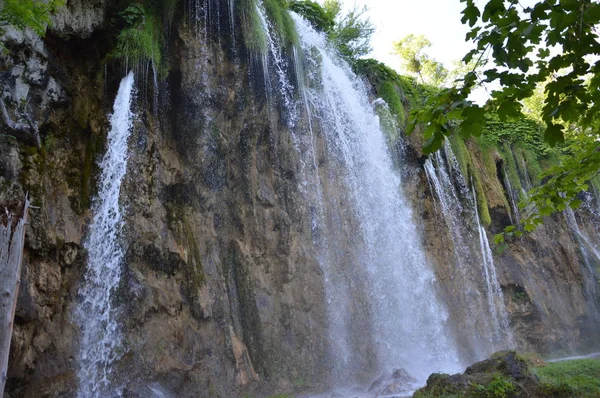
[11, 255]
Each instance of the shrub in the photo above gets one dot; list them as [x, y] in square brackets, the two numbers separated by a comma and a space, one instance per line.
[138, 42]
[33, 14]
[319, 18]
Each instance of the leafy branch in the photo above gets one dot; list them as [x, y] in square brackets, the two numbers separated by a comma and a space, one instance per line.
[519, 44]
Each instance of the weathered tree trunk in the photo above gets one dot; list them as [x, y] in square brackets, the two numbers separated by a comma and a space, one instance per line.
[11, 255]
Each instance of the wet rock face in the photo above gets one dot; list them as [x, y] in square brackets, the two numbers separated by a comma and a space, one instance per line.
[543, 275]
[221, 287]
[398, 383]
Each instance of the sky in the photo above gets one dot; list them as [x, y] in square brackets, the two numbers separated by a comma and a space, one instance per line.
[437, 20]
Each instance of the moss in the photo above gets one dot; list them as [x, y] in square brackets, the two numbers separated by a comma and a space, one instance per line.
[388, 91]
[578, 378]
[255, 37]
[388, 123]
[532, 164]
[320, 19]
[482, 204]
[412, 93]
[277, 11]
[461, 152]
[86, 171]
[512, 172]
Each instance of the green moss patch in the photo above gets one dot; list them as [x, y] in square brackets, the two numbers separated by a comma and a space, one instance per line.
[578, 378]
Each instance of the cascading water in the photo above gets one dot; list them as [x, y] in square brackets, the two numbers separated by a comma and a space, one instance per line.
[100, 343]
[407, 323]
[494, 291]
[591, 259]
[513, 196]
[280, 65]
[484, 312]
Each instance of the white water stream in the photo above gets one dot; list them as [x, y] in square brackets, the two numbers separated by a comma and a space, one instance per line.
[476, 275]
[100, 344]
[407, 324]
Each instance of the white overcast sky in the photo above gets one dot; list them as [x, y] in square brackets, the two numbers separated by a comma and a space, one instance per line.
[438, 20]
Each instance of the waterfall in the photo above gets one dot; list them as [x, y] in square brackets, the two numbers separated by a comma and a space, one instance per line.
[494, 292]
[407, 324]
[279, 63]
[513, 200]
[476, 273]
[587, 250]
[100, 344]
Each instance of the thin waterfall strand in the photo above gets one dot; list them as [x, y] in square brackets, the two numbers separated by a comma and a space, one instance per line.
[100, 344]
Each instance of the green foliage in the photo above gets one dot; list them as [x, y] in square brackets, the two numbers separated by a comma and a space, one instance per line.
[352, 32]
[514, 37]
[578, 378]
[519, 296]
[320, 18]
[511, 167]
[472, 169]
[33, 14]
[499, 387]
[255, 38]
[378, 74]
[482, 205]
[524, 131]
[461, 152]
[138, 42]
[277, 11]
[388, 91]
[412, 51]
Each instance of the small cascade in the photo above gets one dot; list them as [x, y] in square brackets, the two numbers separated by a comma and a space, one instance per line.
[277, 60]
[231, 7]
[591, 258]
[155, 94]
[494, 292]
[392, 285]
[584, 239]
[96, 314]
[482, 301]
[515, 217]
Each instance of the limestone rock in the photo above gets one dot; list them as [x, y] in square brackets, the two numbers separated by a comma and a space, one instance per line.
[79, 18]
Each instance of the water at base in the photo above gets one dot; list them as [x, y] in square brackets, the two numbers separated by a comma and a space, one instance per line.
[594, 355]
[407, 324]
[100, 344]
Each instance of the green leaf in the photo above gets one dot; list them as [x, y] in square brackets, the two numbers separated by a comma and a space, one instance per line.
[433, 144]
[575, 204]
[492, 8]
[509, 109]
[499, 238]
[470, 14]
[554, 134]
[529, 227]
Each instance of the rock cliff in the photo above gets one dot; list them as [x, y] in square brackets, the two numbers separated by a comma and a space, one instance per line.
[222, 291]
